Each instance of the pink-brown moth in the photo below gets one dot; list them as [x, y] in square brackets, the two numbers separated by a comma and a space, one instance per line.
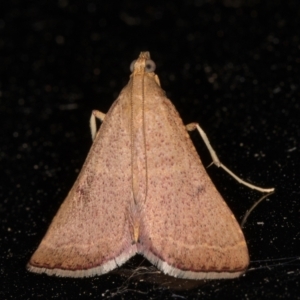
[143, 189]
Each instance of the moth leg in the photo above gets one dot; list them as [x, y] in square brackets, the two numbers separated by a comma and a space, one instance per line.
[95, 114]
[216, 161]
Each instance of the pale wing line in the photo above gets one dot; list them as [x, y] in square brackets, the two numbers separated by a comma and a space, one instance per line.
[203, 245]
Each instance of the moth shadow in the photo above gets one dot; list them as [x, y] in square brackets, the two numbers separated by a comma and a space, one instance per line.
[139, 269]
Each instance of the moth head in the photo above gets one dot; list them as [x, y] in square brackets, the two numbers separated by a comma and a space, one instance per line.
[148, 68]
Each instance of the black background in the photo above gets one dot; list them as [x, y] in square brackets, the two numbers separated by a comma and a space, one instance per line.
[231, 65]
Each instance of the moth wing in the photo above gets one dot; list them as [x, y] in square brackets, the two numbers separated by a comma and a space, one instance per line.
[90, 234]
[187, 229]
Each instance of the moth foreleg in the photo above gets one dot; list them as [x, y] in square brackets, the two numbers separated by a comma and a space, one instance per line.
[95, 114]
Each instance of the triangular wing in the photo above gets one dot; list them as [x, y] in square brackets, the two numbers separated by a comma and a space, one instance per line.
[90, 234]
[187, 229]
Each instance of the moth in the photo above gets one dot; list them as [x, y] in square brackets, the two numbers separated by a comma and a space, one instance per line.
[143, 189]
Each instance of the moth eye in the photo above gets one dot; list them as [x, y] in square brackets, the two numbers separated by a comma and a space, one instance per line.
[150, 66]
[132, 65]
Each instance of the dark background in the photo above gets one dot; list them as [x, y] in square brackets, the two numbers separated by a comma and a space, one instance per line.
[232, 66]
